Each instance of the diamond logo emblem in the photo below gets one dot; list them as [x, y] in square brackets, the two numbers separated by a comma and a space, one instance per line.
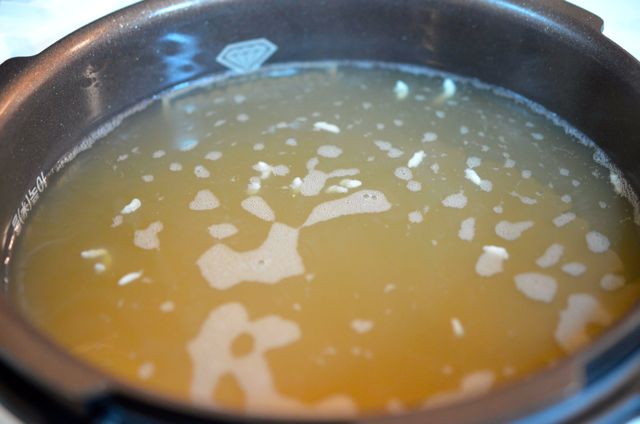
[246, 56]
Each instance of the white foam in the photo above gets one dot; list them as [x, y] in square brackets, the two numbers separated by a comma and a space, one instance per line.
[242, 117]
[401, 90]
[509, 163]
[325, 126]
[575, 269]
[257, 206]
[416, 159]
[201, 172]
[131, 207]
[524, 199]
[472, 175]
[435, 168]
[167, 306]
[337, 189]
[512, 230]
[498, 209]
[276, 259]
[329, 151]
[212, 358]
[563, 219]
[146, 370]
[387, 147]
[204, 200]
[147, 178]
[535, 286]
[526, 174]
[566, 198]
[129, 278]
[551, 256]
[473, 162]
[467, 229]
[148, 238]
[414, 185]
[254, 185]
[429, 137]
[403, 173]
[564, 172]
[361, 326]
[491, 260]
[597, 242]
[158, 154]
[117, 221]
[456, 200]
[175, 167]
[93, 253]
[415, 217]
[463, 130]
[389, 288]
[611, 282]
[222, 231]
[582, 309]
[213, 155]
[188, 144]
[349, 183]
[296, 184]
[291, 142]
[472, 384]
[363, 201]
[99, 268]
[456, 326]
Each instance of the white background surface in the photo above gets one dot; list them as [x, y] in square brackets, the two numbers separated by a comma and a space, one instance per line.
[29, 26]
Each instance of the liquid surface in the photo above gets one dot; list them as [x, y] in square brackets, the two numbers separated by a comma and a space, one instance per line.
[331, 241]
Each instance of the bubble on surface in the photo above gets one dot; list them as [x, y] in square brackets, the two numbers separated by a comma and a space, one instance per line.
[563, 219]
[363, 201]
[329, 151]
[361, 326]
[575, 269]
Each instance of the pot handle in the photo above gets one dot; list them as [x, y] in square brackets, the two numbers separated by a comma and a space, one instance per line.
[10, 68]
[584, 17]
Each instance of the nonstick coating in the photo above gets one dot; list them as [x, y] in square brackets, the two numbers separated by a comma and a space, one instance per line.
[546, 50]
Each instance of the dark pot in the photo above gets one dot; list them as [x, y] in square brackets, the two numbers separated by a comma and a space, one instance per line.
[546, 50]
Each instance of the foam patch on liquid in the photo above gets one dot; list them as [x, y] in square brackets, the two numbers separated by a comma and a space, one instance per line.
[512, 230]
[257, 206]
[491, 261]
[582, 309]
[222, 231]
[148, 238]
[467, 229]
[276, 259]
[536, 286]
[329, 151]
[473, 384]
[212, 358]
[551, 256]
[363, 201]
[204, 200]
[456, 200]
[597, 242]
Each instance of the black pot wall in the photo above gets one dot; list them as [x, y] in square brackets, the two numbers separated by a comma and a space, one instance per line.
[546, 50]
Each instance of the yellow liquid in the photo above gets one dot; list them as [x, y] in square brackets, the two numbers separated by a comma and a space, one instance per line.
[429, 283]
